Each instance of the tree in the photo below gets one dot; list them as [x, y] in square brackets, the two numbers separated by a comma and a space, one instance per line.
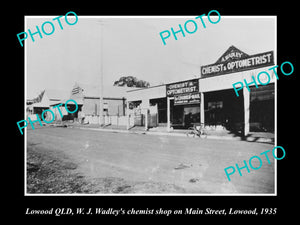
[131, 81]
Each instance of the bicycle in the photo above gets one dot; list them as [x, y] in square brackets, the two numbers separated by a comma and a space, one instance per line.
[197, 130]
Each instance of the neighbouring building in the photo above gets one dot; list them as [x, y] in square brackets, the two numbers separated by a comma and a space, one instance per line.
[114, 102]
[87, 98]
[48, 98]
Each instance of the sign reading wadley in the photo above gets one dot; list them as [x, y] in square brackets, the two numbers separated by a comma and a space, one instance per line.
[185, 92]
[234, 60]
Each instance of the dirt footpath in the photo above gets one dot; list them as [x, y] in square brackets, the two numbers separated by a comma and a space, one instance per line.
[71, 160]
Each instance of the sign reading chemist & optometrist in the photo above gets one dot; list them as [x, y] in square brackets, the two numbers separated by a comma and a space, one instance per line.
[234, 60]
[185, 92]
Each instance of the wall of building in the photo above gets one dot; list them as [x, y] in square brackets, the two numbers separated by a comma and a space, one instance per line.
[113, 107]
[147, 93]
[225, 81]
[90, 106]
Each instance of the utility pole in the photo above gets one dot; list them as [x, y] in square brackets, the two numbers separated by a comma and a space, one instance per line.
[101, 74]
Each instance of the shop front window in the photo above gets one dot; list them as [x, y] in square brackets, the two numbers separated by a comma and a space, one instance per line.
[186, 115]
[215, 105]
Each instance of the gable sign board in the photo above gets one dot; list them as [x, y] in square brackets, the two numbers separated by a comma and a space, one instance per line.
[235, 61]
[232, 53]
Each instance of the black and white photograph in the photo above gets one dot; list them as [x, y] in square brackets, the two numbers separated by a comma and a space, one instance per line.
[170, 105]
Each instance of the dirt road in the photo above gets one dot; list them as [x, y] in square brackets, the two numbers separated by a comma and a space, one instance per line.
[109, 162]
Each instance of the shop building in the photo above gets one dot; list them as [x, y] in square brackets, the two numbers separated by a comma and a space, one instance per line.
[250, 111]
[211, 99]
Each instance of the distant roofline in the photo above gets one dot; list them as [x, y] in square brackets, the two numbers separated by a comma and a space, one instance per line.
[105, 98]
[146, 88]
[196, 78]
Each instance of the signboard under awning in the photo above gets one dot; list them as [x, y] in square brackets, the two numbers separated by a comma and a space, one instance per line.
[190, 98]
[183, 87]
[185, 92]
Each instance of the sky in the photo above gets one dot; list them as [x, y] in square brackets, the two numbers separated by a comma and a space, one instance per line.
[131, 46]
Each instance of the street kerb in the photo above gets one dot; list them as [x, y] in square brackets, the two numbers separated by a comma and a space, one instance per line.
[216, 137]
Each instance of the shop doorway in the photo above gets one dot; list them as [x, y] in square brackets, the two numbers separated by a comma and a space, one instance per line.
[262, 108]
[161, 109]
[184, 116]
[223, 108]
